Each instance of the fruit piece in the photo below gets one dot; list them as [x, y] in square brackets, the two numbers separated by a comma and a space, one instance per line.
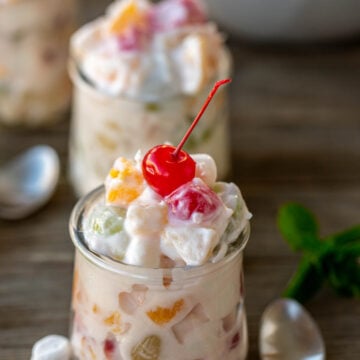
[167, 280]
[164, 167]
[164, 172]
[115, 324]
[124, 183]
[162, 315]
[199, 63]
[110, 347]
[113, 319]
[131, 14]
[130, 24]
[235, 340]
[193, 244]
[148, 349]
[169, 15]
[191, 321]
[193, 200]
[229, 321]
[105, 221]
[129, 302]
[95, 309]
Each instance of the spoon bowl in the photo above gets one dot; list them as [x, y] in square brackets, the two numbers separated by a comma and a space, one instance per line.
[288, 332]
[28, 181]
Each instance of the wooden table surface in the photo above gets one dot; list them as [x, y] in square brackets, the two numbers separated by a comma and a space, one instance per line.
[295, 136]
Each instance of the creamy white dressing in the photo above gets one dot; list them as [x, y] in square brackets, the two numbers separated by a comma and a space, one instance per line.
[141, 231]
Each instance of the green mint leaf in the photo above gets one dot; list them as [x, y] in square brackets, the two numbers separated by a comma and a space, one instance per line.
[346, 236]
[299, 227]
[342, 270]
[306, 281]
[352, 249]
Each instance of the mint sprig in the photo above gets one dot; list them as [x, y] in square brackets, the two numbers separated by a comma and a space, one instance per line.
[332, 260]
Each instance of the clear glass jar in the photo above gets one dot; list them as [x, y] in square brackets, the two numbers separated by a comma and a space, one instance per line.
[125, 312]
[34, 35]
[104, 126]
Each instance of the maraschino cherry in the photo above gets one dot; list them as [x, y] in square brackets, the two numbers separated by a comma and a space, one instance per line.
[167, 167]
[193, 197]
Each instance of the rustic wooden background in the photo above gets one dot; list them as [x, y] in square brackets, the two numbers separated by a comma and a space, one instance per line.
[295, 135]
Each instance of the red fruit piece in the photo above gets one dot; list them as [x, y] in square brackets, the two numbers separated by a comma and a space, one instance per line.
[168, 15]
[109, 348]
[193, 197]
[235, 341]
[165, 172]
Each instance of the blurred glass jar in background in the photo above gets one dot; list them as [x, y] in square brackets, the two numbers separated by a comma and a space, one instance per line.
[34, 36]
[141, 74]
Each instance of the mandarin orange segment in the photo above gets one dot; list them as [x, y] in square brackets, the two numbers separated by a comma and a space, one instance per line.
[130, 15]
[127, 195]
[95, 309]
[113, 320]
[115, 324]
[163, 315]
[125, 183]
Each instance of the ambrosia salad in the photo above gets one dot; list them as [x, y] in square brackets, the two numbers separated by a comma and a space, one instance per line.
[158, 271]
[195, 223]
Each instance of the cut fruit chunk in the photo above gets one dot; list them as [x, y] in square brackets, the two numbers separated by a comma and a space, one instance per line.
[124, 183]
[129, 302]
[184, 328]
[148, 349]
[194, 245]
[131, 13]
[162, 315]
[193, 200]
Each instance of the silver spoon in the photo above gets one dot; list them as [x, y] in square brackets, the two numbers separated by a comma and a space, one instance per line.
[288, 332]
[28, 181]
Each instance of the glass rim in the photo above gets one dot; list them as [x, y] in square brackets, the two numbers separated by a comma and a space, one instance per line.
[80, 81]
[136, 271]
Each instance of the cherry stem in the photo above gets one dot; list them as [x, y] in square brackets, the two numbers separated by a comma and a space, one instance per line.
[199, 115]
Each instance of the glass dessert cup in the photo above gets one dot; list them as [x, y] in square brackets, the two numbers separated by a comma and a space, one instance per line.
[34, 85]
[131, 313]
[104, 126]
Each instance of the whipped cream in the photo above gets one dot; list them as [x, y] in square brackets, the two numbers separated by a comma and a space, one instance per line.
[149, 51]
[194, 224]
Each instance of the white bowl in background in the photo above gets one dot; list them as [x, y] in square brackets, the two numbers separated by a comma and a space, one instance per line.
[287, 20]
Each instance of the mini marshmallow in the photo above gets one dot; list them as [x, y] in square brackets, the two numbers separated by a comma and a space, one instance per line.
[146, 218]
[51, 347]
[205, 168]
[143, 252]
